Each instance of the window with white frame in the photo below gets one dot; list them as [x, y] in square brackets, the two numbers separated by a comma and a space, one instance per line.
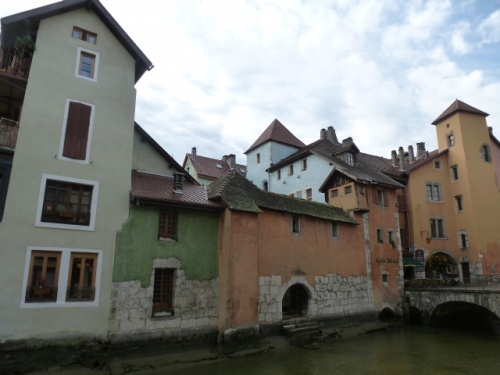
[77, 131]
[392, 238]
[433, 192]
[451, 139]
[309, 194]
[438, 229]
[61, 276]
[67, 203]
[87, 65]
[463, 239]
[350, 158]
[298, 194]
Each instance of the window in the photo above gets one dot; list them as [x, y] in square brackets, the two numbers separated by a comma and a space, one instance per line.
[350, 158]
[304, 164]
[433, 192]
[290, 170]
[454, 172]
[167, 228]
[348, 189]
[61, 276]
[380, 235]
[295, 224]
[279, 174]
[437, 164]
[385, 278]
[4, 184]
[43, 276]
[309, 194]
[77, 131]
[67, 203]
[258, 158]
[486, 154]
[380, 197]
[88, 62]
[335, 229]
[265, 186]
[84, 35]
[437, 228]
[163, 292]
[335, 193]
[463, 240]
[82, 273]
[392, 238]
[451, 140]
[298, 194]
[460, 203]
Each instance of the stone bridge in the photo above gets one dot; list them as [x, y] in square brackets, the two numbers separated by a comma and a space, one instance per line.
[435, 304]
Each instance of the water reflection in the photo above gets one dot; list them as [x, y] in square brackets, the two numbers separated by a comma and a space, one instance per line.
[408, 350]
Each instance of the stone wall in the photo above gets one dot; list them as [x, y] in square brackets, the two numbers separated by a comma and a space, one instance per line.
[332, 296]
[195, 307]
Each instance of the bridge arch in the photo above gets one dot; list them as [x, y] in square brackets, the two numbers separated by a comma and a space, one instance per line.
[441, 265]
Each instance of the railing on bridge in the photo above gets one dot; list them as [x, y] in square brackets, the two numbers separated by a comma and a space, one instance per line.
[475, 282]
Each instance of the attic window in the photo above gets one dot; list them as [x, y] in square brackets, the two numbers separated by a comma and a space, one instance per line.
[218, 165]
[84, 35]
[350, 158]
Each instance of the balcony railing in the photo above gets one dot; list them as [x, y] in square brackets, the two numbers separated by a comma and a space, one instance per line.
[474, 282]
[8, 133]
[15, 65]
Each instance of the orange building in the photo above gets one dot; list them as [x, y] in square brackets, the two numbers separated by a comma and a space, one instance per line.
[454, 199]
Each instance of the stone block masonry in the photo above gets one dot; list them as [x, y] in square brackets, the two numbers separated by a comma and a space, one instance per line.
[195, 308]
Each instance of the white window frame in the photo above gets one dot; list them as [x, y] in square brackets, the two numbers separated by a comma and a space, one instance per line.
[62, 283]
[466, 239]
[432, 197]
[93, 205]
[78, 61]
[306, 190]
[63, 133]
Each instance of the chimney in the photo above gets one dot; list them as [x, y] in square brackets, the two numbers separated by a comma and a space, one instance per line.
[231, 160]
[331, 135]
[193, 153]
[401, 158]
[394, 157]
[322, 134]
[178, 182]
[420, 149]
[347, 141]
[411, 155]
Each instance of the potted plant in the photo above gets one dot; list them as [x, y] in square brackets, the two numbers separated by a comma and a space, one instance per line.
[24, 46]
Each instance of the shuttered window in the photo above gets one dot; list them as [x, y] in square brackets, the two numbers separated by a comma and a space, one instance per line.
[77, 131]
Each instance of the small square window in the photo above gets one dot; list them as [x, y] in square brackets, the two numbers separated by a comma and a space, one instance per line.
[167, 228]
[348, 189]
[437, 164]
[385, 278]
[335, 193]
[298, 194]
[84, 35]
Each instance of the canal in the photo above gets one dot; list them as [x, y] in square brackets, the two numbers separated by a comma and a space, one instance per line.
[406, 350]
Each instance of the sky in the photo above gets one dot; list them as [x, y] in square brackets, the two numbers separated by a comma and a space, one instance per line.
[379, 71]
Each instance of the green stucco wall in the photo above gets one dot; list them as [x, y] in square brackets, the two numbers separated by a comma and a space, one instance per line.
[137, 245]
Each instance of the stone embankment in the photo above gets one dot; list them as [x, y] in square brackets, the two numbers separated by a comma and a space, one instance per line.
[150, 359]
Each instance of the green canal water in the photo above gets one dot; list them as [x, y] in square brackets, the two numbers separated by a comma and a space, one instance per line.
[407, 350]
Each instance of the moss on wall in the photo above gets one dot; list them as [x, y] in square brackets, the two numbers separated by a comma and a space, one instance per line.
[137, 245]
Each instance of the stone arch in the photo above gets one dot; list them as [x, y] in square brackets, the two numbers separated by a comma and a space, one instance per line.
[470, 313]
[299, 281]
[441, 264]
[386, 314]
[483, 300]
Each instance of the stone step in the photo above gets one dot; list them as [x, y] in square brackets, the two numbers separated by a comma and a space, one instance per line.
[295, 321]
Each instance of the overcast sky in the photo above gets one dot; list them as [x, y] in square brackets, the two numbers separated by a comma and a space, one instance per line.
[377, 71]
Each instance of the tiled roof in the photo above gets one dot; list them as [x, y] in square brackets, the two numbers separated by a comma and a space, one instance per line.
[241, 195]
[155, 189]
[424, 159]
[212, 168]
[458, 106]
[277, 132]
[381, 164]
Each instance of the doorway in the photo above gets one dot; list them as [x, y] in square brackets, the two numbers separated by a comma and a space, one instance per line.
[295, 301]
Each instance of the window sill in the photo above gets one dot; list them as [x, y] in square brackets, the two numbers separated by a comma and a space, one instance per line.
[163, 239]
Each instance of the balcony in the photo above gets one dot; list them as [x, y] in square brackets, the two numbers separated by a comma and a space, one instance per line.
[8, 133]
[14, 65]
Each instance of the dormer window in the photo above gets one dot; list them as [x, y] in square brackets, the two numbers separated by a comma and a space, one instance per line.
[350, 158]
[218, 165]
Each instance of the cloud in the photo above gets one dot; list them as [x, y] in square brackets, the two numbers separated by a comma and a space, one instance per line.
[490, 28]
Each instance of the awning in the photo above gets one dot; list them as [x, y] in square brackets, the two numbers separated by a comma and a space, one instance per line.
[411, 262]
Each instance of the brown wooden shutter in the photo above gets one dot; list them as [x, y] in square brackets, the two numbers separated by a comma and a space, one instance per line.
[386, 201]
[375, 195]
[77, 131]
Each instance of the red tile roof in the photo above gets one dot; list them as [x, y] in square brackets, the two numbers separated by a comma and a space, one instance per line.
[458, 106]
[277, 132]
[155, 189]
[212, 168]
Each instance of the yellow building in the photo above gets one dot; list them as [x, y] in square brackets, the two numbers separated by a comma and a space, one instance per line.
[453, 197]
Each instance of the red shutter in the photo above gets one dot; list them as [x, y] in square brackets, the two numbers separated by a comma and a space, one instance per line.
[77, 131]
